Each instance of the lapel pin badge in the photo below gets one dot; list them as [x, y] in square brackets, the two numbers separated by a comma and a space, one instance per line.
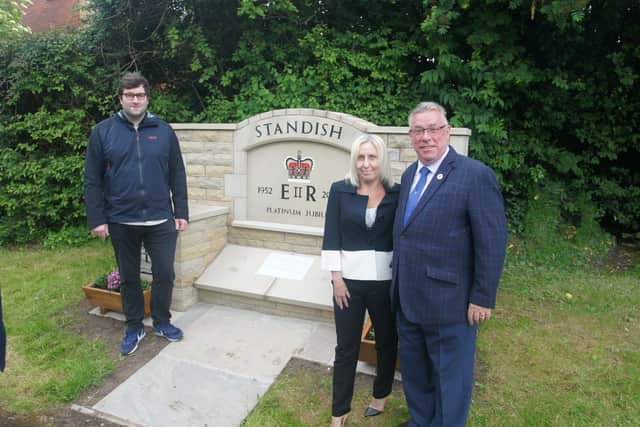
[439, 176]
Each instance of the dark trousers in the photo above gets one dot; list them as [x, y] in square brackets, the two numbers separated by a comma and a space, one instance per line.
[3, 339]
[160, 242]
[372, 296]
[437, 371]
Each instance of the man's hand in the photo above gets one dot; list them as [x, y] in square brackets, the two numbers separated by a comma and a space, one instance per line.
[477, 314]
[181, 224]
[101, 231]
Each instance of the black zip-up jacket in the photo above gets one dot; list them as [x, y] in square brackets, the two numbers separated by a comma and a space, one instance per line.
[134, 175]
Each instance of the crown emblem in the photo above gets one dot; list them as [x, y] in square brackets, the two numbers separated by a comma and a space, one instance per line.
[297, 167]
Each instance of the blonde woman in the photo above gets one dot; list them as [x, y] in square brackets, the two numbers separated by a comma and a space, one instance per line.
[357, 249]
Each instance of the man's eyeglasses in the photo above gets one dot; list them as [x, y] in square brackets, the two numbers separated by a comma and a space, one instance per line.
[429, 131]
[131, 96]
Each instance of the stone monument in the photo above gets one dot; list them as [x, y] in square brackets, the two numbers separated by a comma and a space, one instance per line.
[258, 192]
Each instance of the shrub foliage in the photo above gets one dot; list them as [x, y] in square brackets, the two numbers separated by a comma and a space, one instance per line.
[550, 89]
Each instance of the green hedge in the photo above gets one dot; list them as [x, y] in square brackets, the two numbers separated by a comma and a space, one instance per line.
[550, 89]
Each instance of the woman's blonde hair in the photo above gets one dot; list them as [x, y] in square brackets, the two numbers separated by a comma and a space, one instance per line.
[383, 159]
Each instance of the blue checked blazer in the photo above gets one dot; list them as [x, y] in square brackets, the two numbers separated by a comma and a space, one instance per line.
[452, 249]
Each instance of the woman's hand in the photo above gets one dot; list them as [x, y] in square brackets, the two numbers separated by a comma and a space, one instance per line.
[340, 290]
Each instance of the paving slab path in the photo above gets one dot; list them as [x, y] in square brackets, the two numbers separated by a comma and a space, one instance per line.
[215, 376]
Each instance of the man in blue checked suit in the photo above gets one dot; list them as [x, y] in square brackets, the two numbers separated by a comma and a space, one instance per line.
[449, 237]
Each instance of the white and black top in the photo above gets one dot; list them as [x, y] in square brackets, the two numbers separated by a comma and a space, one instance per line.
[359, 251]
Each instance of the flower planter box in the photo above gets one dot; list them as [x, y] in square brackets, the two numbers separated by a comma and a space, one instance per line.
[368, 346]
[112, 301]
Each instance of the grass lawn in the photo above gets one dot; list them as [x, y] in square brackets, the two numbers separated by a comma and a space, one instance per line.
[563, 348]
[48, 362]
[546, 358]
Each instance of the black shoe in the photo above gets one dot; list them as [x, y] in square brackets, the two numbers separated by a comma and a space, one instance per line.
[372, 412]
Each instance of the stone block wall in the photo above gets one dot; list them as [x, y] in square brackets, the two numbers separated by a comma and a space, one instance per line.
[196, 248]
[207, 150]
[277, 240]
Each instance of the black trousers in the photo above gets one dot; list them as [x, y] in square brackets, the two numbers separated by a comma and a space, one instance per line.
[3, 339]
[372, 296]
[160, 242]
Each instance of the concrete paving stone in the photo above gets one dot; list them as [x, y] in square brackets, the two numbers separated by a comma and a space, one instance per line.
[175, 392]
[320, 346]
[243, 342]
[215, 376]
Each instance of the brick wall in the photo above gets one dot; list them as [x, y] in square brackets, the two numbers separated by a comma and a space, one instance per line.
[45, 15]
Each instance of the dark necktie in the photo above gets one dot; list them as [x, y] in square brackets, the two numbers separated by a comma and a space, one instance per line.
[414, 196]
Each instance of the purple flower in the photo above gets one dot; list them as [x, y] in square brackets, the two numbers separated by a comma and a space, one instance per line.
[113, 280]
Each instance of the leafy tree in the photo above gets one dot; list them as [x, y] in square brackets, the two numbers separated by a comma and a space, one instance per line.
[321, 55]
[49, 104]
[550, 89]
[551, 94]
[11, 18]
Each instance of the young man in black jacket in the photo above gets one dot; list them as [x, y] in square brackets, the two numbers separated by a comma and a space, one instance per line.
[135, 191]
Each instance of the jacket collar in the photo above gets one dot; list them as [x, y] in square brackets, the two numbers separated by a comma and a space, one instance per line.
[439, 177]
[148, 120]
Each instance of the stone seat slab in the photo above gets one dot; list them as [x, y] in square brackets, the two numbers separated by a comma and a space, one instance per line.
[240, 271]
[233, 272]
[314, 291]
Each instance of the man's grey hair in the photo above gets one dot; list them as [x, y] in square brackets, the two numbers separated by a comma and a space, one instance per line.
[383, 159]
[428, 106]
